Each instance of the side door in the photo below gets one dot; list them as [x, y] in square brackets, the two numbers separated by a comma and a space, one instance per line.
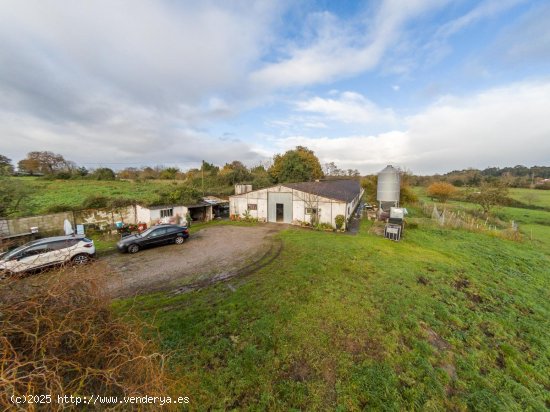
[171, 234]
[156, 237]
[61, 250]
[32, 258]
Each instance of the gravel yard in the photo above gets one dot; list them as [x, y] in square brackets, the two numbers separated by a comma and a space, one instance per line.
[205, 254]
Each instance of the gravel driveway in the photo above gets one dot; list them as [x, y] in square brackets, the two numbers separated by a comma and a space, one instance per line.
[206, 253]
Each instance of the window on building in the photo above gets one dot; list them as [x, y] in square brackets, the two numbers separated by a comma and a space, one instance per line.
[312, 210]
[252, 206]
[166, 212]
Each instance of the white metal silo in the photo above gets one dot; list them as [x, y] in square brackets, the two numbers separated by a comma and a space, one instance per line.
[388, 187]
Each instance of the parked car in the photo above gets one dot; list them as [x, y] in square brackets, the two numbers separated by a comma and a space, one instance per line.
[46, 252]
[154, 236]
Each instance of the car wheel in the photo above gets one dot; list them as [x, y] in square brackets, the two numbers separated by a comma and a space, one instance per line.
[5, 274]
[133, 248]
[179, 240]
[81, 259]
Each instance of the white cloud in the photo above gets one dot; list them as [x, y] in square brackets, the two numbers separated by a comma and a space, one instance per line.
[498, 127]
[342, 49]
[349, 107]
[125, 80]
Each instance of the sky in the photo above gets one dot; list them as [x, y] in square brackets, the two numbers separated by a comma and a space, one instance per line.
[427, 85]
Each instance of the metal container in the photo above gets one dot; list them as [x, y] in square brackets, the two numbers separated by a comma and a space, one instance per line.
[241, 189]
[393, 232]
[388, 185]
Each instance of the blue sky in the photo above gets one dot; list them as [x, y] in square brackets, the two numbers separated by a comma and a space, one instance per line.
[428, 85]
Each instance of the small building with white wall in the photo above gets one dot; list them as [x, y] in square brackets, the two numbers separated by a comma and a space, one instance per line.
[208, 208]
[300, 202]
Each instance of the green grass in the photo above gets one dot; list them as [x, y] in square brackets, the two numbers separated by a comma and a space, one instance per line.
[533, 224]
[532, 196]
[45, 194]
[105, 243]
[444, 319]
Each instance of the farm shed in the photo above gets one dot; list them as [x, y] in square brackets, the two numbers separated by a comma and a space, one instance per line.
[203, 211]
[300, 202]
[161, 214]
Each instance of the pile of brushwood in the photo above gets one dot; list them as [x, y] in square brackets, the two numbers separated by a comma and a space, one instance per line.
[59, 337]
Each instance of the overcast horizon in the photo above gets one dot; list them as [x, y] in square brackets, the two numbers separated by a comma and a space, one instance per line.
[430, 86]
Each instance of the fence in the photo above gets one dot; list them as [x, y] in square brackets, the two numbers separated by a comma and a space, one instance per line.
[462, 220]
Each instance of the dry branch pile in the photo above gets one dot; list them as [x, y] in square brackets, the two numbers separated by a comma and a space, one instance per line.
[64, 340]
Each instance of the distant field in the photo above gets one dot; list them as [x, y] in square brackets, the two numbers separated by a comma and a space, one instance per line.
[46, 194]
[444, 320]
[532, 196]
[534, 224]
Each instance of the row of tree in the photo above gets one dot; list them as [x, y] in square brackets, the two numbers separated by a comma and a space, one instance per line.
[517, 176]
[299, 164]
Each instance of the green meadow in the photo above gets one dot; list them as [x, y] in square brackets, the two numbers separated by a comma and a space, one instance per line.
[45, 195]
[444, 320]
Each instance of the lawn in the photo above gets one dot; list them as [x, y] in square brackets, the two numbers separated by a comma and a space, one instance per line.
[445, 319]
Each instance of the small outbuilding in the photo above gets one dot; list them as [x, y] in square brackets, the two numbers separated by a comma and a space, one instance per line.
[319, 201]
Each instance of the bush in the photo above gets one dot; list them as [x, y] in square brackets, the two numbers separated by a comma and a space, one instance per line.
[58, 208]
[339, 221]
[103, 173]
[441, 191]
[63, 339]
[247, 217]
[324, 226]
[95, 202]
[407, 196]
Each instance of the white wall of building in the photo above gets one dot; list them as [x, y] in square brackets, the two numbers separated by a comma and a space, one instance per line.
[328, 208]
[153, 216]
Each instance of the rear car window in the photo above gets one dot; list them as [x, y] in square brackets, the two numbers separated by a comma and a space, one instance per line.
[61, 244]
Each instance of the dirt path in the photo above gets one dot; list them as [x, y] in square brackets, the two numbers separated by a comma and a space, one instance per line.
[209, 253]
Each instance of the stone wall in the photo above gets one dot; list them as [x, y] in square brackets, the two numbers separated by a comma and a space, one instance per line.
[106, 218]
[47, 224]
[4, 228]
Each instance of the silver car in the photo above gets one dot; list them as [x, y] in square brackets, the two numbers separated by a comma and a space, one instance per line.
[46, 252]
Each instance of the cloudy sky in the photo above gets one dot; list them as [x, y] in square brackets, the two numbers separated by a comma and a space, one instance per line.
[429, 85]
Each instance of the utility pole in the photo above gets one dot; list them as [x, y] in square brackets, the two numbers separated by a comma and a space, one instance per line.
[202, 172]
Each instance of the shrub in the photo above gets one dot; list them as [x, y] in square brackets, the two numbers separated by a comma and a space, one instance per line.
[58, 208]
[488, 196]
[324, 226]
[407, 195]
[339, 221]
[63, 339]
[441, 191]
[247, 217]
[103, 173]
[95, 202]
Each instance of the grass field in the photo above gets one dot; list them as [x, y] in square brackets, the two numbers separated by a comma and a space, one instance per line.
[533, 223]
[531, 196]
[45, 194]
[444, 320]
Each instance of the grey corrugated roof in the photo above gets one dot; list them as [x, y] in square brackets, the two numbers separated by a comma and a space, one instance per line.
[343, 189]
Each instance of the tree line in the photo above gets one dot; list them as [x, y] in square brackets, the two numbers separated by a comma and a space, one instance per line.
[296, 165]
[517, 176]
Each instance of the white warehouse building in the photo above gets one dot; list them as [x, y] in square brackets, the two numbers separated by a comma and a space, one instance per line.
[300, 202]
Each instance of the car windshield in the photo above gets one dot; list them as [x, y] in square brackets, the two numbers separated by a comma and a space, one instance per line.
[15, 251]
